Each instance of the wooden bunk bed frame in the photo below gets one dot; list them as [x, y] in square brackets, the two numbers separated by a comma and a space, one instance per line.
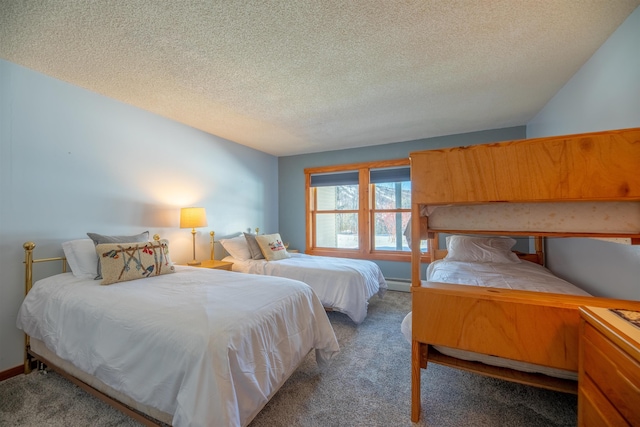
[533, 327]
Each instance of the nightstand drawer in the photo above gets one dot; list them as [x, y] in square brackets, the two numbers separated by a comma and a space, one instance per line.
[615, 373]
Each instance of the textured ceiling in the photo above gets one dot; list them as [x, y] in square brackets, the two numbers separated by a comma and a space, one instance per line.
[302, 76]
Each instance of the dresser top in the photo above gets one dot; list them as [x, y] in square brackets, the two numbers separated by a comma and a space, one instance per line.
[623, 332]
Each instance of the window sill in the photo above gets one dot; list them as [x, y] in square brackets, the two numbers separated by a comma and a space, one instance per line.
[381, 256]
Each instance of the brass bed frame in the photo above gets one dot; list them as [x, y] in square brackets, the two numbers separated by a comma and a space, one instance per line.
[32, 358]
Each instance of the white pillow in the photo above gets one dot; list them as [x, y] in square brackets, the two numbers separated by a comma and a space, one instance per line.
[82, 258]
[237, 247]
[481, 249]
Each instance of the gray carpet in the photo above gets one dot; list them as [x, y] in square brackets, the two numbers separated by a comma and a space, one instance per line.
[368, 384]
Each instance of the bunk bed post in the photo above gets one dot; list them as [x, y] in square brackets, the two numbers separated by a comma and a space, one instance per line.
[415, 380]
[415, 245]
[415, 284]
[539, 247]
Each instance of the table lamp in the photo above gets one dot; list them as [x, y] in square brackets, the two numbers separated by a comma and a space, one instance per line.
[193, 218]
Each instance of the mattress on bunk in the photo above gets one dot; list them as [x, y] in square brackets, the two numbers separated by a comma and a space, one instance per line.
[523, 275]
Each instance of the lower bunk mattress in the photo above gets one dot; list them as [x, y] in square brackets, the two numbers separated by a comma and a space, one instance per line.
[522, 275]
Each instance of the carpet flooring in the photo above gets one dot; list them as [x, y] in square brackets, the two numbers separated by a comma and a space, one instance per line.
[367, 384]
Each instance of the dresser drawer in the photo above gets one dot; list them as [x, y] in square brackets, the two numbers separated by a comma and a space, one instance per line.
[594, 410]
[615, 373]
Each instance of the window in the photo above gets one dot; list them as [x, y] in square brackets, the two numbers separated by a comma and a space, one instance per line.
[360, 210]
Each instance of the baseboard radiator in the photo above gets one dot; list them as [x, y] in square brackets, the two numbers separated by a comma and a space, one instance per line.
[396, 284]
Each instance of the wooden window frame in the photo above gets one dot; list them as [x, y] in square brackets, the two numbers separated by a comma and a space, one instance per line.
[366, 248]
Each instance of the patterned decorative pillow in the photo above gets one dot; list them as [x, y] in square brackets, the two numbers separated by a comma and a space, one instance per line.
[130, 261]
[254, 247]
[100, 238]
[272, 247]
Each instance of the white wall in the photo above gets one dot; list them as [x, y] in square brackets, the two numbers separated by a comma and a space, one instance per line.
[73, 161]
[604, 94]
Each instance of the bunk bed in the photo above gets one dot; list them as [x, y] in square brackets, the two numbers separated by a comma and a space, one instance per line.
[584, 185]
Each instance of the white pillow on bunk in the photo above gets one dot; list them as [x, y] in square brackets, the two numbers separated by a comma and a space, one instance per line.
[81, 256]
[237, 247]
[481, 249]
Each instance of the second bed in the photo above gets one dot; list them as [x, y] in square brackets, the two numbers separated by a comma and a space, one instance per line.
[343, 284]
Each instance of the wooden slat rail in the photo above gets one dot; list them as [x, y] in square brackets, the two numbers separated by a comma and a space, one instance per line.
[593, 166]
[533, 327]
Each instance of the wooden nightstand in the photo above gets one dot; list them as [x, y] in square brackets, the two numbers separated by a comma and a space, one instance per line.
[218, 265]
[609, 369]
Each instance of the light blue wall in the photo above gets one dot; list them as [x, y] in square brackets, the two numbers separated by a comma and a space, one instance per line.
[73, 161]
[604, 94]
[291, 179]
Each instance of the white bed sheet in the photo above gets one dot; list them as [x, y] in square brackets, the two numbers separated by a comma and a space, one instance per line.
[524, 275]
[208, 346]
[343, 284]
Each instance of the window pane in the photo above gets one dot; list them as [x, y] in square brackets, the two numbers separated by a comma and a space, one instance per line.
[389, 233]
[340, 197]
[389, 229]
[393, 195]
[337, 231]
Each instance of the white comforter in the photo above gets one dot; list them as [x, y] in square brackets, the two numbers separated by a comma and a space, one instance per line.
[208, 346]
[524, 275]
[343, 284]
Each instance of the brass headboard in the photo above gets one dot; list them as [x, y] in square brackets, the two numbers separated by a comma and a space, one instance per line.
[212, 241]
[28, 284]
[29, 261]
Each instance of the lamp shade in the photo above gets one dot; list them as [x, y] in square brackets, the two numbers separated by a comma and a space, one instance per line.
[193, 218]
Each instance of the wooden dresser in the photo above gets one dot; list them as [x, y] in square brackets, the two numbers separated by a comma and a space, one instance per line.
[609, 370]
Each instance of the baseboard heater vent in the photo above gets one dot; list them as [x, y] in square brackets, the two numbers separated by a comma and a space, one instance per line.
[396, 284]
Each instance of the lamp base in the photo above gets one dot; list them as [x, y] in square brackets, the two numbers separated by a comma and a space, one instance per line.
[194, 262]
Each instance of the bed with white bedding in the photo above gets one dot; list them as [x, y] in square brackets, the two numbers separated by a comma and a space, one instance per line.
[342, 284]
[196, 347]
[519, 275]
